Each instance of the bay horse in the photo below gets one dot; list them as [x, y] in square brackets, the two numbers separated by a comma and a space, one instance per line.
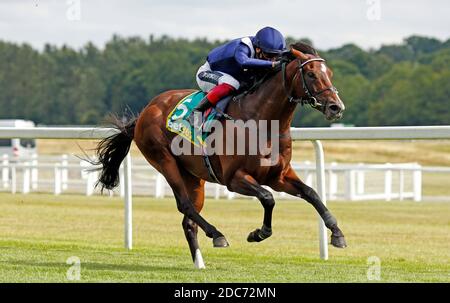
[304, 78]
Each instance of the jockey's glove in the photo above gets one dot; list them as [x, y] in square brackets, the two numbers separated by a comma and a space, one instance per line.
[276, 64]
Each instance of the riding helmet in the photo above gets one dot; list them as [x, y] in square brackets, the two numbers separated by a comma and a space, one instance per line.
[270, 40]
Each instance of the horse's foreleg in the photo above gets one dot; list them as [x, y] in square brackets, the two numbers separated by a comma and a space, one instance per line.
[292, 185]
[245, 184]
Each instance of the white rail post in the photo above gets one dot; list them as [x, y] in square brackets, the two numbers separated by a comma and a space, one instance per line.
[57, 189]
[308, 175]
[360, 180]
[13, 179]
[333, 182]
[417, 183]
[388, 183]
[160, 186]
[401, 183]
[350, 193]
[230, 194]
[128, 202]
[5, 171]
[64, 172]
[320, 175]
[26, 176]
[90, 183]
[217, 192]
[122, 183]
[34, 172]
[84, 173]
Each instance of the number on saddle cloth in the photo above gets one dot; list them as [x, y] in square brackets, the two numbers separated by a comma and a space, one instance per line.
[177, 120]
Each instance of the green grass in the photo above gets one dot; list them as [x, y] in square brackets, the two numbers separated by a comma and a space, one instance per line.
[38, 233]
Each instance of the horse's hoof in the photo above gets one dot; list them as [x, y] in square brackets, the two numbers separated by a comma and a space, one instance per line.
[257, 236]
[220, 242]
[338, 241]
[253, 236]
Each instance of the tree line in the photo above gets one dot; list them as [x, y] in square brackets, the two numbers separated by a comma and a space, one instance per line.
[399, 84]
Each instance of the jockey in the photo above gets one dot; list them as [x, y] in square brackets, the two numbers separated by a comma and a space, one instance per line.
[227, 65]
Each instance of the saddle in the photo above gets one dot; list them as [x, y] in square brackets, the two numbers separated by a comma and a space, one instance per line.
[177, 120]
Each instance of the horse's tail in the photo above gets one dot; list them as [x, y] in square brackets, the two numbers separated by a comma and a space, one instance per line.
[112, 150]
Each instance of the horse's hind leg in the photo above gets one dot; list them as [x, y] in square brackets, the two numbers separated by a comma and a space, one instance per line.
[190, 231]
[176, 177]
[245, 184]
[195, 188]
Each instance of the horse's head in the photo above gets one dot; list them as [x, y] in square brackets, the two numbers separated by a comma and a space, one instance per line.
[311, 82]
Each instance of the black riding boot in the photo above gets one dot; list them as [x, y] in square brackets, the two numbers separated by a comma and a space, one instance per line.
[201, 107]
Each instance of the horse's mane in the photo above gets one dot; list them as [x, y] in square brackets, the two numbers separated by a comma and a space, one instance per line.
[304, 48]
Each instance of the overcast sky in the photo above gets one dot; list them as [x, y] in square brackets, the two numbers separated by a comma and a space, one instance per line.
[329, 23]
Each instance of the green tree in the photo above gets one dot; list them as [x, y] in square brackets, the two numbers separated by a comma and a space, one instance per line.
[400, 84]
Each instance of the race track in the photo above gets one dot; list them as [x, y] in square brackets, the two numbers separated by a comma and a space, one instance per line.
[38, 233]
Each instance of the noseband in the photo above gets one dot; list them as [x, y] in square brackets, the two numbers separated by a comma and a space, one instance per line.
[310, 97]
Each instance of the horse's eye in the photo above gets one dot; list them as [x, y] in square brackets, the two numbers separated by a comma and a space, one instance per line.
[311, 75]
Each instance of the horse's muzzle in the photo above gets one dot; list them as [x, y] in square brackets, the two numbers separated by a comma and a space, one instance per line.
[334, 111]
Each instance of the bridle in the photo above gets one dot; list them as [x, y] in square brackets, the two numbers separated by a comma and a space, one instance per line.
[310, 97]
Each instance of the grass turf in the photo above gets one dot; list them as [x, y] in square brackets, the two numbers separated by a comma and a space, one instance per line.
[38, 233]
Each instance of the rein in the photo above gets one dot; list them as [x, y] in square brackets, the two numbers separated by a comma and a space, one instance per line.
[310, 97]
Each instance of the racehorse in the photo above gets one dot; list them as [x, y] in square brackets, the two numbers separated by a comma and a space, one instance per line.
[304, 78]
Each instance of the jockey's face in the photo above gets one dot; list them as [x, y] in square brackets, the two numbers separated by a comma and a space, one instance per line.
[265, 56]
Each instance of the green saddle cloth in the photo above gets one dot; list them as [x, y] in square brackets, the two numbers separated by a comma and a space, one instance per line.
[177, 120]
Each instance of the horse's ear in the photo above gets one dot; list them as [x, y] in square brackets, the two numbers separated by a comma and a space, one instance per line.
[298, 54]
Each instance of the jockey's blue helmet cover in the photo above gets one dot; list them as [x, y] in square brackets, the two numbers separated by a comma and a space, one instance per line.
[270, 40]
